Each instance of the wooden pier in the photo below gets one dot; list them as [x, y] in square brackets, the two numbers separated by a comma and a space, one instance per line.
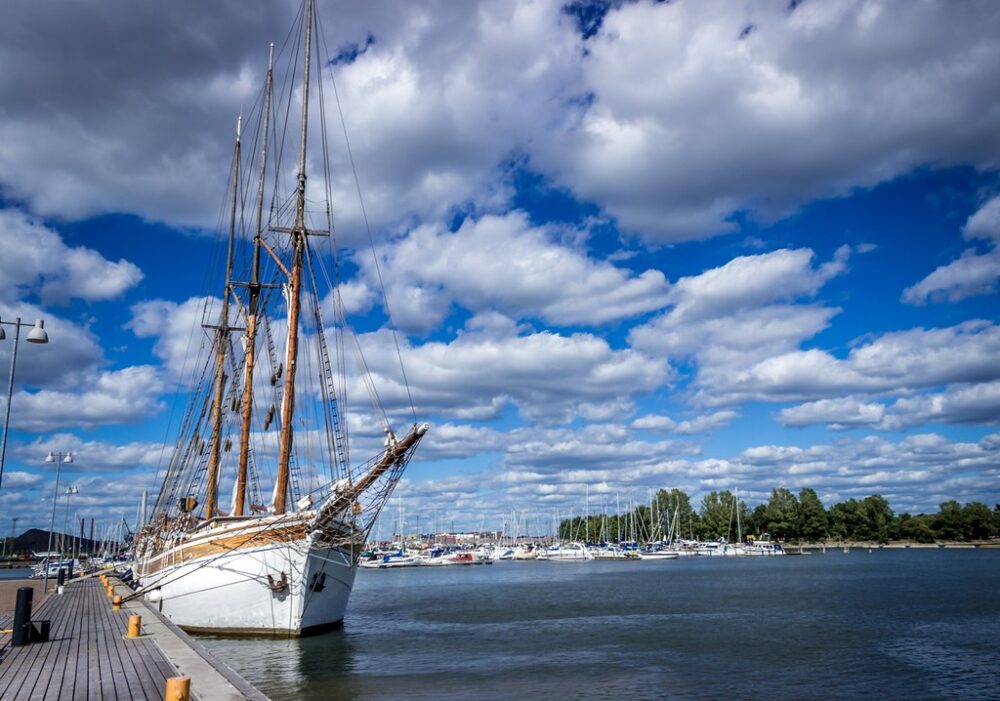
[88, 655]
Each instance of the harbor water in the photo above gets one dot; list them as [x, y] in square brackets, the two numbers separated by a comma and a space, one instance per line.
[914, 624]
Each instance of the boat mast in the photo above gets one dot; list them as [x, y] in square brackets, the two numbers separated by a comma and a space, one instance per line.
[298, 235]
[221, 341]
[736, 506]
[254, 303]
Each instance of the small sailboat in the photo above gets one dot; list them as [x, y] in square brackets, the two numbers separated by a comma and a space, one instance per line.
[259, 411]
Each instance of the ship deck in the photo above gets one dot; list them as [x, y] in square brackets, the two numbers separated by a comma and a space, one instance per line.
[88, 655]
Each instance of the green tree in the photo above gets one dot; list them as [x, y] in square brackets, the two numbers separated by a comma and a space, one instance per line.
[915, 528]
[949, 523]
[677, 500]
[996, 519]
[978, 520]
[782, 514]
[876, 518]
[717, 514]
[744, 522]
[845, 519]
[812, 519]
[757, 520]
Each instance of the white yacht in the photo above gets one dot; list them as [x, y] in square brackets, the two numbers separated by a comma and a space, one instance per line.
[566, 552]
[763, 547]
[657, 555]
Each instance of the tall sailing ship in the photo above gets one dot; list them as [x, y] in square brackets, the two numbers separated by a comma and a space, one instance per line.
[256, 414]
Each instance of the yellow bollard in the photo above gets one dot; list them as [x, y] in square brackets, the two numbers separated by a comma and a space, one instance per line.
[178, 689]
[116, 603]
[134, 623]
[111, 591]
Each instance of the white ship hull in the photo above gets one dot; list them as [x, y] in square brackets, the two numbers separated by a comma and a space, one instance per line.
[293, 588]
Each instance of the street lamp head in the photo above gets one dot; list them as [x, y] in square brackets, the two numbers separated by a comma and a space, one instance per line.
[50, 457]
[68, 458]
[37, 333]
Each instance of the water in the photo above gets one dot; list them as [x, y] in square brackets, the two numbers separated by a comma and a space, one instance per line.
[15, 573]
[889, 624]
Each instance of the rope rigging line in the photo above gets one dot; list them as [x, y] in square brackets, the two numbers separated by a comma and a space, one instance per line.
[207, 274]
[368, 229]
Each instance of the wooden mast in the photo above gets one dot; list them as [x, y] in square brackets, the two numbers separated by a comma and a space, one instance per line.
[253, 305]
[298, 235]
[222, 340]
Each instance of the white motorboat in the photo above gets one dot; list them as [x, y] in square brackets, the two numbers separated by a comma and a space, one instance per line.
[763, 547]
[657, 555]
[566, 552]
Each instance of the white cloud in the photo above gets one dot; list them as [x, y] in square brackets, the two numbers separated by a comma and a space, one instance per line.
[129, 395]
[491, 364]
[731, 317]
[70, 357]
[476, 83]
[35, 259]
[177, 330]
[355, 296]
[739, 306]
[839, 413]
[444, 94]
[91, 455]
[699, 424]
[958, 404]
[547, 376]
[984, 223]
[961, 404]
[448, 441]
[913, 359]
[971, 274]
[810, 103]
[13, 479]
[505, 264]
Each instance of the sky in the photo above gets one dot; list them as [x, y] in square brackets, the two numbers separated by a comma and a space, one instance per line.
[625, 245]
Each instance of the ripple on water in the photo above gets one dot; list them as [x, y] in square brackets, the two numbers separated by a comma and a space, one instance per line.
[902, 624]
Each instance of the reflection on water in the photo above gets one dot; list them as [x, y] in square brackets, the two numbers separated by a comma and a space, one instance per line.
[890, 624]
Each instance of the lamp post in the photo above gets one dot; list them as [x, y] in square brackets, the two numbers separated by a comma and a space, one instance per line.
[36, 335]
[58, 459]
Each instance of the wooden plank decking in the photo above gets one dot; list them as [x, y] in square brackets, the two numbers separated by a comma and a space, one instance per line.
[87, 656]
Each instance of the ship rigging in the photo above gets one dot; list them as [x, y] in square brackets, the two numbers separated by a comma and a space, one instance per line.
[262, 411]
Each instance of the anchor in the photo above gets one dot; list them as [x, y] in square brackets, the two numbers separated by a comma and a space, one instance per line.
[277, 586]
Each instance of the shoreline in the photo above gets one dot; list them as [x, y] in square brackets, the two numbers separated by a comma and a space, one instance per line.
[895, 545]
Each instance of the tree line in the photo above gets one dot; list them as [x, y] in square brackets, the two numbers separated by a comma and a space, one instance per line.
[785, 517]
